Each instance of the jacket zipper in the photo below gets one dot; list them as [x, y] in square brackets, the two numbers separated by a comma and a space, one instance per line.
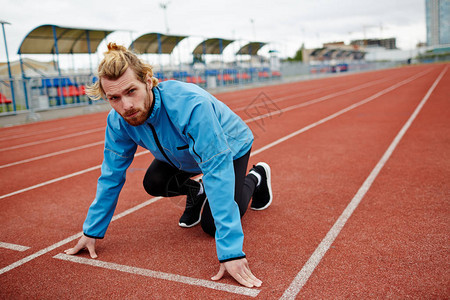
[159, 145]
[193, 147]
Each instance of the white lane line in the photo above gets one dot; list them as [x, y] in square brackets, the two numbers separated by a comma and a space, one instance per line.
[73, 237]
[50, 181]
[62, 137]
[376, 95]
[39, 253]
[52, 154]
[316, 100]
[160, 275]
[241, 108]
[13, 247]
[330, 117]
[304, 274]
[313, 101]
[289, 108]
[61, 178]
[17, 136]
[246, 121]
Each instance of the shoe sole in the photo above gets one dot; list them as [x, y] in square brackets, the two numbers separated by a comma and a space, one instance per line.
[269, 185]
[184, 225]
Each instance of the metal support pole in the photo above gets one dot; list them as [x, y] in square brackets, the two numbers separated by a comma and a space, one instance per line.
[55, 39]
[23, 81]
[88, 40]
[250, 64]
[11, 82]
[158, 35]
[221, 55]
[32, 116]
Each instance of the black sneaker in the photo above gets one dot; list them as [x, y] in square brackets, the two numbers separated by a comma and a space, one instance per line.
[194, 205]
[262, 197]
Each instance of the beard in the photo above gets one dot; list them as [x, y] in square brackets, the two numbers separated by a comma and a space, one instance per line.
[137, 116]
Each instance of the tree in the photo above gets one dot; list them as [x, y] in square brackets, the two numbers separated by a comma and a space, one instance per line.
[298, 55]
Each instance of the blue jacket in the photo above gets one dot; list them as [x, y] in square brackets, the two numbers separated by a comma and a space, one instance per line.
[191, 130]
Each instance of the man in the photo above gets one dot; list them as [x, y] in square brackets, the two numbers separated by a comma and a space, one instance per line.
[189, 132]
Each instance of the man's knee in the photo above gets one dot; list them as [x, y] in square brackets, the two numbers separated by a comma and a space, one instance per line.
[154, 185]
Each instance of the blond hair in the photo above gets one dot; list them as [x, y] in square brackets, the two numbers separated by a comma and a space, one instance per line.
[116, 61]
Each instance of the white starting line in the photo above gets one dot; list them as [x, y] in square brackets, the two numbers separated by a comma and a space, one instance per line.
[13, 247]
[161, 275]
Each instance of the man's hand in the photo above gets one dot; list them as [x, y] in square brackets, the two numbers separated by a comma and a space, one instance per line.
[240, 271]
[84, 242]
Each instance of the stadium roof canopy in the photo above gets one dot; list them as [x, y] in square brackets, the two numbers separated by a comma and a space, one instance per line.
[156, 43]
[212, 46]
[251, 48]
[52, 39]
[317, 51]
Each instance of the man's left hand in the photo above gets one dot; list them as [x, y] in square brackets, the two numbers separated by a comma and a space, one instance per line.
[240, 271]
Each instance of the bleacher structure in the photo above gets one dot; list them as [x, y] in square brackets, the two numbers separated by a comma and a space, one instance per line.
[44, 92]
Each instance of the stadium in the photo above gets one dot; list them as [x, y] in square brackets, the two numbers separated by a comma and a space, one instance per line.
[355, 133]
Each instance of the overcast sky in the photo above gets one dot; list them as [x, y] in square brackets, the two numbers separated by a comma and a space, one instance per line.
[285, 24]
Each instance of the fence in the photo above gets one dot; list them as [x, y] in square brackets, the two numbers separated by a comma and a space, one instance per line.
[44, 93]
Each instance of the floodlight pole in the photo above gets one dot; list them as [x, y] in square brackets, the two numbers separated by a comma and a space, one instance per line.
[11, 83]
[253, 28]
[164, 7]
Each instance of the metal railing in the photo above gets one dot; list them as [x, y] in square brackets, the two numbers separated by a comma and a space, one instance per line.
[36, 94]
[43, 93]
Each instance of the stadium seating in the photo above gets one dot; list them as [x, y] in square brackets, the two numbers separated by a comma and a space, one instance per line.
[276, 74]
[4, 100]
[195, 79]
[227, 78]
[243, 76]
[72, 91]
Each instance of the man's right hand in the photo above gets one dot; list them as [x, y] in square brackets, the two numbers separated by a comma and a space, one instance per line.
[83, 242]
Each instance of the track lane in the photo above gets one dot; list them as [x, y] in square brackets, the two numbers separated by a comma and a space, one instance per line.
[274, 238]
[274, 132]
[312, 87]
[17, 135]
[35, 171]
[396, 243]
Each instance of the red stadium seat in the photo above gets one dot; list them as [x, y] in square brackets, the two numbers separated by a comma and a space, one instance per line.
[264, 74]
[71, 91]
[226, 77]
[195, 79]
[276, 74]
[243, 76]
[82, 90]
[4, 100]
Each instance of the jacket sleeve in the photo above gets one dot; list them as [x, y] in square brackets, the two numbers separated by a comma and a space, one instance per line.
[208, 145]
[118, 154]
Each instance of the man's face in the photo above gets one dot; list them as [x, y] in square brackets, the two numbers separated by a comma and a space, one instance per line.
[130, 97]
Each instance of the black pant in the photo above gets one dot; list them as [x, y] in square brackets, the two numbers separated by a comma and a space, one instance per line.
[165, 180]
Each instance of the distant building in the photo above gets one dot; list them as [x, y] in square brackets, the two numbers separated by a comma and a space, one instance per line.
[30, 67]
[385, 43]
[334, 52]
[438, 22]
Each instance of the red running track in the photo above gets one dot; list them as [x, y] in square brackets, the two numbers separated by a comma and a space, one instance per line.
[360, 168]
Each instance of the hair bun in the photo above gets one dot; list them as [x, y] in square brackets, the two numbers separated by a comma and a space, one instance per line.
[114, 47]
